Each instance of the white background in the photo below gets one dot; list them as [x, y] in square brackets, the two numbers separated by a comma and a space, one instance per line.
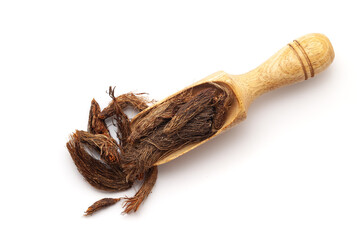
[290, 171]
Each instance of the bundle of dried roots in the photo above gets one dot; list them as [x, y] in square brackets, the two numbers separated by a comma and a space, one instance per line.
[190, 117]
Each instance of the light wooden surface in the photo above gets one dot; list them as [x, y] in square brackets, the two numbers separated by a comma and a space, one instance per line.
[298, 61]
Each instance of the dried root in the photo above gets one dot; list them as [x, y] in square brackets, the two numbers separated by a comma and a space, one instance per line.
[102, 203]
[96, 125]
[192, 116]
[99, 174]
[132, 204]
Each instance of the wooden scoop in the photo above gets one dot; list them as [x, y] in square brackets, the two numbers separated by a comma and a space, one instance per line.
[297, 61]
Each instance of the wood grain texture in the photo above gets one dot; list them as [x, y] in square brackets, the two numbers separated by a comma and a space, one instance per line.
[298, 61]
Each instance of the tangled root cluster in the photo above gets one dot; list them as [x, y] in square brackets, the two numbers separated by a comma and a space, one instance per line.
[115, 164]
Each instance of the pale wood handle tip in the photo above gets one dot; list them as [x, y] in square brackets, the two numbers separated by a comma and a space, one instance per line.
[314, 51]
[299, 60]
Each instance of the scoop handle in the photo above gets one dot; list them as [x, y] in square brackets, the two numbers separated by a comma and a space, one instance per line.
[297, 61]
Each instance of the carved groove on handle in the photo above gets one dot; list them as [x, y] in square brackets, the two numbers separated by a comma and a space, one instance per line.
[306, 57]
[298, 57]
